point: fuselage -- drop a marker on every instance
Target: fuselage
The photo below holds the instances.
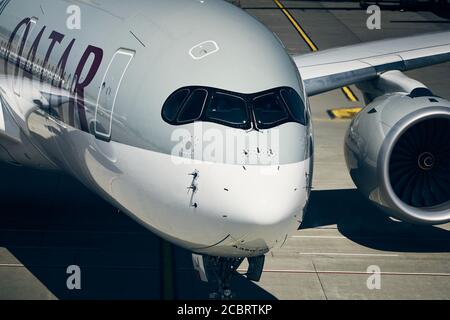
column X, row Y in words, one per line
column 187, row 115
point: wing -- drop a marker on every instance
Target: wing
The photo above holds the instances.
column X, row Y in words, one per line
column 334, row 68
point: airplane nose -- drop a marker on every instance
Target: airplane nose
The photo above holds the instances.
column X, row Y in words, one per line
column 256, row 205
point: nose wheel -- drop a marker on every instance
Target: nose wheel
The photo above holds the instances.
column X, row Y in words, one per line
column 220, row 271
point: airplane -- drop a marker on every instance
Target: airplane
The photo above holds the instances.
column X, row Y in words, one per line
column 191, row 117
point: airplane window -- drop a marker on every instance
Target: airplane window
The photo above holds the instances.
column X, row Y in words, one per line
column 294, row 104
column 228, row 109
column 193, row 106
column 173, row 104
column 269, row 110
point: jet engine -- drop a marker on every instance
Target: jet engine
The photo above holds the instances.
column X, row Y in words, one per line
column 398, row 152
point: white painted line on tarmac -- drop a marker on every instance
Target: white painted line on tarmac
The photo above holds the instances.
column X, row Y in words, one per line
column 348, row 254
column 11, row 265
column 321, row 237
column 433, row 274
column 368, row 238
column 339, row 272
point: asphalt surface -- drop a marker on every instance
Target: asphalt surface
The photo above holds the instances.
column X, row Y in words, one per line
column 49, row 221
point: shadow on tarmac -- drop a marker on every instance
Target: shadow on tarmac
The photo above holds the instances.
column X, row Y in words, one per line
column 49, row 221
column 364, row 223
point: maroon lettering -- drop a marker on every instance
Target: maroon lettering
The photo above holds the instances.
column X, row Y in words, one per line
column 56, row 37
column 80, row 82
column 24, row 22
column 80, row 86
column 32, row 53
column 61, row 67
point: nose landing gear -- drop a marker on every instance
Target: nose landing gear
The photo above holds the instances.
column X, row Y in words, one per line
column 220, row 271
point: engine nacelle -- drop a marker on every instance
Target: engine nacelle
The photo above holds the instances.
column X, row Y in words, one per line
column 398, row 152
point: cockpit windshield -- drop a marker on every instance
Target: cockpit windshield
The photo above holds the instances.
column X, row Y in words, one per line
column 227, row 109
column 294, row 103
column 269, row 110
column 262, row 110
column 193, row 107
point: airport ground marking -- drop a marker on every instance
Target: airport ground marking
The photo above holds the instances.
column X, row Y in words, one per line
column 321, row 237
column 343, row 113
column 365, row 237
column 12, row 265
column 341, row 272
column 350, row 95
column 348, row 254
column 312, row 46
column 300, row 271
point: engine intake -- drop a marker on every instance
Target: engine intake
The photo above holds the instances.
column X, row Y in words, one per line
column 419, row 164
column 398, row 153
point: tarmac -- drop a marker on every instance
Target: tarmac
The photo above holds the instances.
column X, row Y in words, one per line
column 49, row 221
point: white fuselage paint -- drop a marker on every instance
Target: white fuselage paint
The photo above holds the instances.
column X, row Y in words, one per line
column 233, row 212
column 2, row 119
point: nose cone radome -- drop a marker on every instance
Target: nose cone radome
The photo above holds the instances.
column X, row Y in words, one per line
column 255, row 205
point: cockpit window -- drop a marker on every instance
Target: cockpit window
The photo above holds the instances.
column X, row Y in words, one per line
column 227, row 109
column 269, row 110
column 193, row 107
column 294, row 104
column 263, row 110
column 174, row 104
